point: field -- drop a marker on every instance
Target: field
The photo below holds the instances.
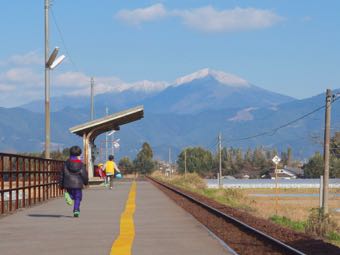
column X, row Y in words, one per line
column 295, row 208
column 292, row 212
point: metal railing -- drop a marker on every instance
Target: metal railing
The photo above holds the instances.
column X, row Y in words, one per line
column 25, row 181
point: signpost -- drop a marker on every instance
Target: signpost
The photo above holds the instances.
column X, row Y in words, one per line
column 276, row 161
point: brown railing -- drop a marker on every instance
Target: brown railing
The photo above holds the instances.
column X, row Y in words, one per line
column 25, row 181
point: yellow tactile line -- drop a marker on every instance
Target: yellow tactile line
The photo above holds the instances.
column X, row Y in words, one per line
column 123, row 244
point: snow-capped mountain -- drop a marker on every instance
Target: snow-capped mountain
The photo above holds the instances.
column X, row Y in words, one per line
column 210, row 90
column 191, row 111
column 221, row 77
column 205, row 89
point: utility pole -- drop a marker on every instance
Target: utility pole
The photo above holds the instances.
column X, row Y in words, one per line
column 276, row 191
column 326, row 151
column 106, row 138
column 220, row 160
column 112, row 141
column 170, row 161
column 47, row 85
column 185, row 162
column 320, row 191
column 92, row 98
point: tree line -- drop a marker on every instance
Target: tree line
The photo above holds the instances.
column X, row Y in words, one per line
column 315, row 165
column 235, row 162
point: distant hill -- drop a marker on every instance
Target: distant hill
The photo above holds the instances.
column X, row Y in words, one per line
column 211, row 90
column 189, row 112
column 200, row 91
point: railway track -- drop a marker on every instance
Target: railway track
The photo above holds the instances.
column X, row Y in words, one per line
column 241, row 237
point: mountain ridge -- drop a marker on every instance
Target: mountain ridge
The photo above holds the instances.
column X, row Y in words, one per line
column 216, row 84
column 191, row 114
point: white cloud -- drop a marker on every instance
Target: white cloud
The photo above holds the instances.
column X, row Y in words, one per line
column 20, row 84
column 6, row 87
column 21, row 76
column 208, row 19
column 79, row 84
column 140, row 15
column 71, row 80
column 306, row 19
column 21, row 80
column 30, row 58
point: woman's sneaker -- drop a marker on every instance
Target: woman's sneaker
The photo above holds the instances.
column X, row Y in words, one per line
column 76, row 214
column 68, row 198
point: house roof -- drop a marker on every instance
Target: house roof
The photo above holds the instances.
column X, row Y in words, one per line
column 110, row 122
column 297, row 171
column 280, row 175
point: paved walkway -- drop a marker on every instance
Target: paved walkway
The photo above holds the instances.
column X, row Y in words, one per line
column 161, row 227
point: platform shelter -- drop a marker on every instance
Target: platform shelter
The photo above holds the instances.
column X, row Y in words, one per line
column 89, row 131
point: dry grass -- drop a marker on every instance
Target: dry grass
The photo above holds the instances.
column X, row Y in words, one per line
column 295, row 208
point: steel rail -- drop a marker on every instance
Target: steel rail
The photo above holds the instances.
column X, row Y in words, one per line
column 233, row 219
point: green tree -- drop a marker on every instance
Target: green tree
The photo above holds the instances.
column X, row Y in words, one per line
column 334, row 171
column 289, row 156
column 144, row 161
column 227, row 161
column 238, row 165
column 284, row 158
column 58, row 155
column 199, row 161
column 259, row 160
column 314, row 167
column 248, row 157
column 125, row 165
column 335, row 145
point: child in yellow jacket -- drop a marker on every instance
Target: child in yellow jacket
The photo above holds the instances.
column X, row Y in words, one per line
column 110, row 170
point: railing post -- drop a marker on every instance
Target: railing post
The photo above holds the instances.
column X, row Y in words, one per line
column 38, row 175
column 16, row 183
column 23, row 182
column 29, row 182
column 2, row 182
column 10, row 185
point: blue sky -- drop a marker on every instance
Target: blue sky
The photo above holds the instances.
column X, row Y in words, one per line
column 291, row 47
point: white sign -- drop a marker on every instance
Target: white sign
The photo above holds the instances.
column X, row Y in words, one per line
column 276, row 160
column 116, row 145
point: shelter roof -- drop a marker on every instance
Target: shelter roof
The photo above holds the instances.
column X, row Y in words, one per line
column 110, row 122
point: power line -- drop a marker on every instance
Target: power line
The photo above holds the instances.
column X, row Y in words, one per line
column 213, row 144
column 63, row 41
column 274, row 130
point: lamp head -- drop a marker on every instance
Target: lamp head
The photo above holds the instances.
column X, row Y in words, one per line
column 57, row 62
column 52, row 57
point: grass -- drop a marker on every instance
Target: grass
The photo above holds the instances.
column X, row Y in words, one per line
column 286, row 222
column 333, row 236
column 292, row 212
column 196, row 184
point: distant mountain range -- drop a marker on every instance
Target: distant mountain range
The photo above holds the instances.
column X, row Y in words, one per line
column 189, row 112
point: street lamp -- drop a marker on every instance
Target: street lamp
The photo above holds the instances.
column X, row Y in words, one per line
column 115, row 144
column 51, row 63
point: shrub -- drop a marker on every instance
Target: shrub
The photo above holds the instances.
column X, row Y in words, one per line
column 320, row 224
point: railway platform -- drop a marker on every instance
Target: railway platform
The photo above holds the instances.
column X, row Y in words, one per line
column 130, row 219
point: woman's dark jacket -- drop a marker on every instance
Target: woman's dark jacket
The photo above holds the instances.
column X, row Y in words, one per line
column 73, row 175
